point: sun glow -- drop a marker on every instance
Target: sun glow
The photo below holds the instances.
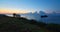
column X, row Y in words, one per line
column 10, row 11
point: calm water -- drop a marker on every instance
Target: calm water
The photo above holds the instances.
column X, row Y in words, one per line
column 50, row 19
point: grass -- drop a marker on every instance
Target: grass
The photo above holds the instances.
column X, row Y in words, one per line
column 11, row 24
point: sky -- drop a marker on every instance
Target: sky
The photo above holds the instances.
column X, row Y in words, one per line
column 26, row 6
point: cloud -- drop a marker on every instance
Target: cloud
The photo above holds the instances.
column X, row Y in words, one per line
column 10, row 11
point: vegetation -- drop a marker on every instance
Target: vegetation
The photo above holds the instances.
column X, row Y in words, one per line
column 13, row 24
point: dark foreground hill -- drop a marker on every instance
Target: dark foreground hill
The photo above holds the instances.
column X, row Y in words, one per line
column 13, row 24
column 10, row 24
